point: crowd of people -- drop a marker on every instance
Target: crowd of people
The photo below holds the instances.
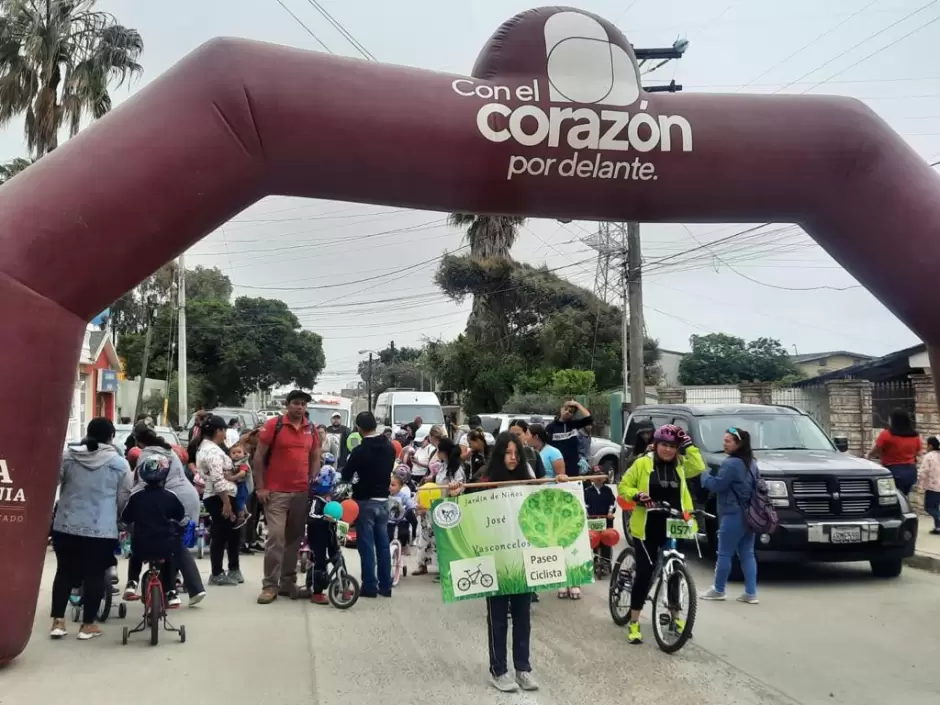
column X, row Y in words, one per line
column 290, row 470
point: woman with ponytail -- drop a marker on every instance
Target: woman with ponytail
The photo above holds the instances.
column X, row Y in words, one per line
column 94, row 485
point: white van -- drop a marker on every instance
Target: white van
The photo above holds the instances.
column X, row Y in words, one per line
column 396, row 407
column 321, row 409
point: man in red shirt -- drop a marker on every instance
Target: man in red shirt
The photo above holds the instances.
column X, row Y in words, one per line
column 286, row 460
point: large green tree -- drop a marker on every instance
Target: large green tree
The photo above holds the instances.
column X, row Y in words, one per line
column 489, row 237
column 13, row 167
column 718, row 358
column 550, row 323
column 234, row 348
column 58, row 59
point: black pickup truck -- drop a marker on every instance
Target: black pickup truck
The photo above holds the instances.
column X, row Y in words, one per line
column 832, row 506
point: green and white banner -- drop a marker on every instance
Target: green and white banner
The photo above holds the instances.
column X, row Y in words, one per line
column 512, row 539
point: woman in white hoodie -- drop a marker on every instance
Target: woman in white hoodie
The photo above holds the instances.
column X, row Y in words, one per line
column 177, row 483
column 94, row 485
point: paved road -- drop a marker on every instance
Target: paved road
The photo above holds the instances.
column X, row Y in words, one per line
column 828, row 634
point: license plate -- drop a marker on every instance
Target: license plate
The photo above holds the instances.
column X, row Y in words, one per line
column 596, row 524
column 845, row 534
column 678, row 529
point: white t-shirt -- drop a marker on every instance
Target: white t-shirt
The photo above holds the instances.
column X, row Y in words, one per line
column 231, row 436
column 421, row 460
column 465, row 442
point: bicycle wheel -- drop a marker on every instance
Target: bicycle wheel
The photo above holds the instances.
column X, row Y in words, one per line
column 395, row 550
column 155, row 611
column 343, row 591
column 104, row 610
column 200, row 546
column 486, row 581
column 621, row 584
column 674, row 606
column 463, row 584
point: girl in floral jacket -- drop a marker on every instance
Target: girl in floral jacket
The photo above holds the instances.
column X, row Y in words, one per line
column 928, row 477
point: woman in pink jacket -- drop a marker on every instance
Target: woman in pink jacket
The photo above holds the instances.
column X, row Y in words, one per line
column 928, row 477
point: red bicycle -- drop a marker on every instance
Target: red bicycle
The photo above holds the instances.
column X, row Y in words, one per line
column 154, row 608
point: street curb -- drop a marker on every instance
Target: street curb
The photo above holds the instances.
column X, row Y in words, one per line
column 924, row 561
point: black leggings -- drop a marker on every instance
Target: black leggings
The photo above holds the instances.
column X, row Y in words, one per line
column 646, row 561
column 224, row 537
column 81, row 561
column 250, row 530
column 605, row 552
column 402, row 529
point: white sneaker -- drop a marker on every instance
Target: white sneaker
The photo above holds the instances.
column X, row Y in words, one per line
column 197, row 598
column 526, row 680
column 505, row 683
column 58, row 630
column 713, row 595
column 130, row 592
column 748, row 599
column 173, row 600
column 91, row 634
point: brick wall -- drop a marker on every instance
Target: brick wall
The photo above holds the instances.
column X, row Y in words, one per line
column 850, row 412
column 756, row 392
column 671, row 395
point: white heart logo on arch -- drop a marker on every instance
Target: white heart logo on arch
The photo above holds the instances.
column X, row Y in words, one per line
column 584, row 66
column 578, row 111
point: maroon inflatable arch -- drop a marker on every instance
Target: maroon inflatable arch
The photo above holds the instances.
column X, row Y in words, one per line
column 552, row 123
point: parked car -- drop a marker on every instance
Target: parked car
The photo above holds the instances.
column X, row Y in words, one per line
column 123, row 430
column 832, row 506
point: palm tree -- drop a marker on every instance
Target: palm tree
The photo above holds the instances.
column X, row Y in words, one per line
column 57, row 59
column 489, row 236
column 13, row 167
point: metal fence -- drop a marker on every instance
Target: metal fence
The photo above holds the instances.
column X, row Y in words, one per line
column 888, row 396
column 811, row 400
column 726, row 394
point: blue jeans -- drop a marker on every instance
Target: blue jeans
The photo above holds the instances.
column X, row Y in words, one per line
column 932, row 507
column 734, row 536
column 372, row 543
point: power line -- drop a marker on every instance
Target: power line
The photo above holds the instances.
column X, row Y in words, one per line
column 300, row 22
column 855, row 46
column 342, row 30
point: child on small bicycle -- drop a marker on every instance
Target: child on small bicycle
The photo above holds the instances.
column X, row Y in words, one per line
column 600, row 502
column 241, row 476
column 321, row 535
column 157, row 516
column 401, row 504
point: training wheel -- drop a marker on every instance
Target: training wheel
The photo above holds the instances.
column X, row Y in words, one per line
column 76, row 613
column 404, row 571
column 182, row 634
column 122, row 610
column 125, row 636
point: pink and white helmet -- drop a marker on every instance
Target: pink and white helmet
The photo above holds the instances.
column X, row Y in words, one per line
column 668, row 433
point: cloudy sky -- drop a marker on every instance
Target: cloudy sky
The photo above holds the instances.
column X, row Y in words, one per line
column 775, row 282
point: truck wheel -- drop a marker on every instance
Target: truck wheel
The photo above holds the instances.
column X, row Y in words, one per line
column 890, row 568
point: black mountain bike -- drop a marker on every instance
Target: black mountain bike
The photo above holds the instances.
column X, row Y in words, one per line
column 673, row 588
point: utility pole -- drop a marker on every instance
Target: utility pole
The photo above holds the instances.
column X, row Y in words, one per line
column 369, row 383
column 637, row 327
column 625, row 328
column 182, row 386
column 151, row 305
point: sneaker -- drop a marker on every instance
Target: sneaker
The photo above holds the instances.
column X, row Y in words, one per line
column 318, row 598
column 935, row 532
column 713, row 595
column 526, row 680
column 241, row 521
column 173, row 600
column 130, row 592
column 748, row 599
column 237, row 576
column 89, row 631
column 58, row 629
column 504, row 683
column 678, row 625
column 222, row 579
column 535, row 597
column 385, row 593
column 246, row 550
column 197, row 598
column 634, row 635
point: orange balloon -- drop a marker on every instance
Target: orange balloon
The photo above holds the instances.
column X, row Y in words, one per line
column 350, row 510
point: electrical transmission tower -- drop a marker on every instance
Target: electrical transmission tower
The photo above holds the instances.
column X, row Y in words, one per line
column 610, row 244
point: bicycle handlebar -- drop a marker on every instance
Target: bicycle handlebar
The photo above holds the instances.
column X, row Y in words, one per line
column 665, row 507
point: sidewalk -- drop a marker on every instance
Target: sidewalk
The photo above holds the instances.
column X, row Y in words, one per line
column 927, row 556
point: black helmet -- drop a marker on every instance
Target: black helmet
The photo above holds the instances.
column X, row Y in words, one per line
column 153, row 469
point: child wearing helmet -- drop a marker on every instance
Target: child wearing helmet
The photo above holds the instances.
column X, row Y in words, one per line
column 658, row 476
column 321, row 534
column 157, row 516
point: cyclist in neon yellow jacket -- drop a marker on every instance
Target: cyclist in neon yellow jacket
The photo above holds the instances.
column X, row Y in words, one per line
column 658, row 476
